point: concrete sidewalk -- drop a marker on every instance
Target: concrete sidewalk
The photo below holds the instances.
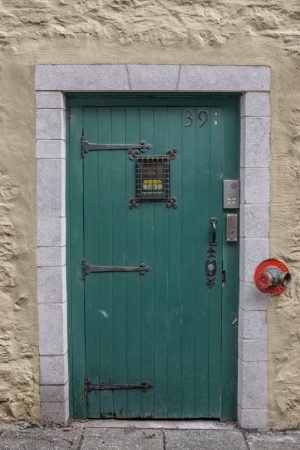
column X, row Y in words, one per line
column 143, row 435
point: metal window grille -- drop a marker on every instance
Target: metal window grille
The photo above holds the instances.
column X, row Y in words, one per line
column 152, row 180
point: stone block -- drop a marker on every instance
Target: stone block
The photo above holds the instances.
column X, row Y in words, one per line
column 255, row 104
column 50, row 100
column 51, row 232
column 122, row 439
column 252, row 252
column 36, row 437
column 51, row 182
column 50, row 149
column 254, row 221
column 145, row 77
column 286, row 440
column 51, row 284
column 253, row 350
column 255, row 185
column 252, row 418
column 253, row 325
column 52, row 328
column 50, row 124
column 251, row 299
column 115, row 77
column 53, row 369
column 51, row 256
column 255, row 142
column 55, row 393
column 224, row 78
column 55, row 413
column 204, row 440
column 82, row 77
column 252, row 386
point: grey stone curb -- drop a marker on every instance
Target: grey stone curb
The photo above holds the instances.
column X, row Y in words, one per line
column 85, row 435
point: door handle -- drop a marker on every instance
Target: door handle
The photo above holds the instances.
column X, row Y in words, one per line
column 211, row 262
column 213, row 222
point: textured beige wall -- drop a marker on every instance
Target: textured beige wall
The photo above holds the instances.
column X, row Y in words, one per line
column 141, row 31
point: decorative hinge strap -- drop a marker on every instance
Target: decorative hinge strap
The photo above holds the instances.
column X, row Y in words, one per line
column 87, row 269
column 133, row 149
column 88, row 386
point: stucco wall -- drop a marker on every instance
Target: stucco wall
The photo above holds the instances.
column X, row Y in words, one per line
column 141, row 31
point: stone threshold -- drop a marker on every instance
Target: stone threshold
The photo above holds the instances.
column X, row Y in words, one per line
column 156, row 424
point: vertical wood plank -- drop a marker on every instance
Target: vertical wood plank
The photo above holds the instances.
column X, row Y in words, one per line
column 216, row 176
column 231, row 265
column 188, row 265
column 76, row 286
column 119, row 207
column 68, row 265
column 175, row 299
column 91, row 217
column 161, row 216
column 147, row 284
column 133, row 280
column 105, row 226
column 202, row 186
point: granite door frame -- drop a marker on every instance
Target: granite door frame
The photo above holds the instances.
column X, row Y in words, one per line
column 52, row 82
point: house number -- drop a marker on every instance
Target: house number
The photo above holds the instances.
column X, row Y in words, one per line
column 202, row 117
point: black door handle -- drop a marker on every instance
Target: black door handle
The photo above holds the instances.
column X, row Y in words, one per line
column 211, row 262
column 213, row 222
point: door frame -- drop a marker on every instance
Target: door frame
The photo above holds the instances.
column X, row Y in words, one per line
column 52, row 83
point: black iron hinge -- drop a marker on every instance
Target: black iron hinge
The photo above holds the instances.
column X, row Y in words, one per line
column 88, row 386
column 86, row 269
column 133, row 149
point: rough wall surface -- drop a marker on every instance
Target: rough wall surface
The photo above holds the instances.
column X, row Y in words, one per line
column 141, row 31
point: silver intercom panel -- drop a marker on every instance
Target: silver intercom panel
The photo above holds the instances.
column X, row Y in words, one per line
column 231, row 200
column 231, row 192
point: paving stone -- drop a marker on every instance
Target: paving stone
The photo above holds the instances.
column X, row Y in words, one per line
column 125, row 439
column 205, row 440
column 273, row 441
column 40, row 439
column 85, row 435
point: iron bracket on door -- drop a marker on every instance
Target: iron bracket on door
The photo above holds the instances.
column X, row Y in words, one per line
column 87, row 269
column 211, row 263
column 88, row 386
column 133, row 149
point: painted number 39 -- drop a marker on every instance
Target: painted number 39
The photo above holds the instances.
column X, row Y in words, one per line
column 190, row 117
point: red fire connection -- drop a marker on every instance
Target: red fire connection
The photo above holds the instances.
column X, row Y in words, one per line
column 272, row 277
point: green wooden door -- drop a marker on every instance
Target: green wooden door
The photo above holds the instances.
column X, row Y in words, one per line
column 164, row 328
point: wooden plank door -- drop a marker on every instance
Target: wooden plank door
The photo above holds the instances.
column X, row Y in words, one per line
column 163, row 328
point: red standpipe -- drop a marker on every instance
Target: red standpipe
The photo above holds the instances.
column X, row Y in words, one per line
column 272, row 277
